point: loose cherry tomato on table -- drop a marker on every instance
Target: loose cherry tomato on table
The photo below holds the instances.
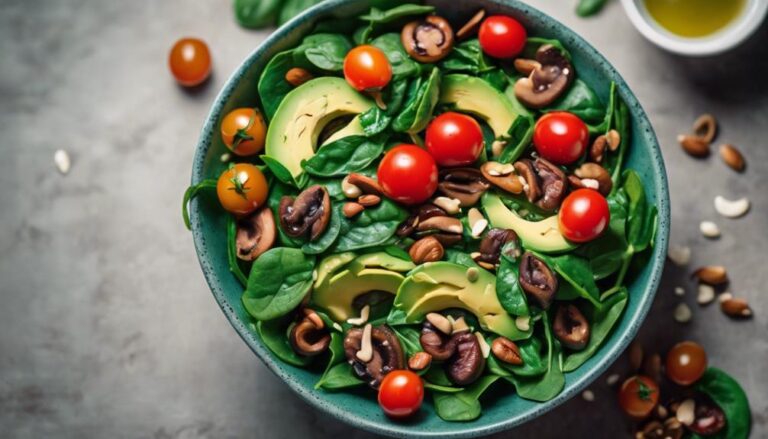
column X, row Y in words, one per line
column 401, row 393
column 584, row 215
column 454, row 139
column 561, row 137
column 638, row 396
column 242, row 189
column 190, row 62
column 243, row 131
column 502, row 36
column 686, row 363
column 366, row 68
column 408, row 174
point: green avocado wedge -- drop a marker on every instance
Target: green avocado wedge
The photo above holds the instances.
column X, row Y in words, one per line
column 470, row 94
column 438, row 286
column 302, row 115
column 543, row 236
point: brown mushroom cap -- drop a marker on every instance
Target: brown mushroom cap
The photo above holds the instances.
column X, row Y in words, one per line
column 493, row 242
column 387, row 354
column 553, row 184
column 308, row 213
column 464, row 184
column 709, row 418
column 532, row 186
column 255, row 234
column 307, row 339
column 466, row 366
column 547, row 81
column 571, row 327
column 537, row 279
column 421, row 213
column 440, row 346
column 509, row 182
column 428, row 40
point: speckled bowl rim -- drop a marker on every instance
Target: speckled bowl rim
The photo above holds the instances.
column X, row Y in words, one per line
column 609, row 353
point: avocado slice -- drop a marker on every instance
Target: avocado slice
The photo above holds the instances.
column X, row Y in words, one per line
column 437, row 286
column 343, row 277
column 302, row 115
column 543, row 236
column 353, row 128
column 469, row 94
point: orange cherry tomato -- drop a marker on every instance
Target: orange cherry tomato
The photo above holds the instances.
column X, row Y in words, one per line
column 638, row 396
column 686, row 363
column 367, row 68
column 242, row 189
column 243, row 130
column 190, row 62
column 401, row 393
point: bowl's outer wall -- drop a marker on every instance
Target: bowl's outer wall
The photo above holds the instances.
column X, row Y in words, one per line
column 502, row 409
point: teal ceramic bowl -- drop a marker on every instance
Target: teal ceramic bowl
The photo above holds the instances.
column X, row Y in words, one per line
column 500, row 411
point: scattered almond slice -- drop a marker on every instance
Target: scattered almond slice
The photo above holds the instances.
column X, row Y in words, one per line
column 364, row 314
column 62, row 161
column 613, row 379
column 686, row 412
column 679, row 254
column 588, row 395
column 709, row 229
column 484, row 348
column 706, row 294
column 523, row 323
column 731, row 208
column 679, row 291
column 683, row 313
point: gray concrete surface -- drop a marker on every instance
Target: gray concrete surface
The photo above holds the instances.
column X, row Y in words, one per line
column 107, row 328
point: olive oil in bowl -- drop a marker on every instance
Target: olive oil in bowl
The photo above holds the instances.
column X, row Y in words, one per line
column 694, row 18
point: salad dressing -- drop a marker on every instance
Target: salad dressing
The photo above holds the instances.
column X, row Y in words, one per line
column 694, row 18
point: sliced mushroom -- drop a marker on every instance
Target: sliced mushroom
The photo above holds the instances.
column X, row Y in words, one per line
column 255, row 234
column 532, row 186
column 387, row 354
column 492, row 244
column 502, row 176
column 428, row 40
column 571, row 327
column 447, row 224
column 436, row 343
column 468, row 363
column 309, row 213
column 464, row 184
column 537, row 279
column 423, row 212
column 547, row 81
column 308, row 339
column 545, row 183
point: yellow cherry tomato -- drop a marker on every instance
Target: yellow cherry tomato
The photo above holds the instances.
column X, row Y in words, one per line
column 244, row 131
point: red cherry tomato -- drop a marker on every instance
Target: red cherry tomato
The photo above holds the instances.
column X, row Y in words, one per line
column 638, row 396
column 408, row 174
column 561, row 137
column 686, row 363
column 367, row 68
column 401, row 393
column 502, row 36
column 190, row 62
column 584, row 215
column 454, row 139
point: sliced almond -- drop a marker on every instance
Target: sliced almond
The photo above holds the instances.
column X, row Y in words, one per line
column 62, row 161
column 477, row 222
column 460, row 325
column 484, row 347
column 679, row 254
column 365, row 354
column 732, row 157
column 452, row 206
column 694, row 145
column 497, row 147
column 711, row 274
column 613, row 379
column 472, row 25
column 679, row 291
column 614, row 140
column 588, row 395
column 706, row 294
column 440, row 322
column 682, row 313
column 364, row 314
column 731, row 208
column 709, row 229
column 686, row 412
column 523, row 323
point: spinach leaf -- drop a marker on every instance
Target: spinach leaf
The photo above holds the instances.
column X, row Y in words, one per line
column 409, row 338
column 274, row 334
column 344, row 156
column 601, row 322
column 340, row 376
column 332, row 185
column 378, row 16
column 497, row 78
column 641, row 215
column 325, row 51
column 461, row 258
column 621, row 122
column 588, row 8
column 374, row 227
column 436, row 375
column 464, row 405
column 552, row 382
column 728, row 394
column 582, row 101
column 234, row 264
column 279, row 280
column 520, row 136
column 336, row 347
column 376, row 120
column 442, row 389
column 532, row 44
column 508, row 289
column 191, row 193
column 278, row 170
column 467, row 57
column 606, row 252
column 576, row 271
column 403, row 66
column 421, row 101
column 292, row 8
column 534, row 363
column 255, row 14
column 326, row 240
column 272, row 85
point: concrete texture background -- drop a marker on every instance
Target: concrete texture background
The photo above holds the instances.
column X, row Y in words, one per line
column 107, row 328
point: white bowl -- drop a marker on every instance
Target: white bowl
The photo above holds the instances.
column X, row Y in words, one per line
column 731, row 36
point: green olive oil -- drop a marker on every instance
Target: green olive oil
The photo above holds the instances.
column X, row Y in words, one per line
column 694, row 18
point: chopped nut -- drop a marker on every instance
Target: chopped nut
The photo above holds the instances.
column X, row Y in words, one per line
column 369, row 200
column 477, row 222
column 484, row 348
column 507, row 351
column 460, row 325
column 734, row 307
column 683, row 313
column 732, row 157
column 351, row 209
column 419, row 361
column 62, row 161
column 365, row 354
column 613, row 379
column 440, row 322
column 523, row 323
column 694, row 145
column 679, row 291
column 451, row 206
column 614, row 140
column 686, row 413
column 366, row 184
column 680, row 255
column 597, row 150
column 298, row 76
column 472, row 25
column 426, row 249
column 731, row 209
column 364, row 314
column 709, row 229
column 706, row 294
column 711, row 274
column 588, row 395
column 349, row 189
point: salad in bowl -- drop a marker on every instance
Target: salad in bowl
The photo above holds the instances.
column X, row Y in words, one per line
column 419, row 205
